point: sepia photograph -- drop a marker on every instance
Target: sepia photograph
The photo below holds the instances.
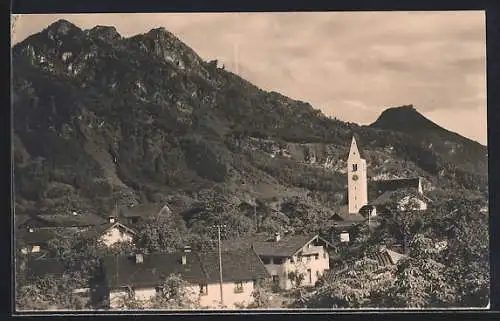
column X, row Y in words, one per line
column 270, row 161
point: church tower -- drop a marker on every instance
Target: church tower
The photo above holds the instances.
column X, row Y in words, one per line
column 357, row 181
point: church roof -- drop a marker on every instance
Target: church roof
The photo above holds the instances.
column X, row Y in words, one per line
column 396, row 184
column 388, row 196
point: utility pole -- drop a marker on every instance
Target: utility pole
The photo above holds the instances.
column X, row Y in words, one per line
column 220, row 261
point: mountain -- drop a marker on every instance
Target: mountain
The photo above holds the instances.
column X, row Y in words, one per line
column 99, row 119
column 467, row 154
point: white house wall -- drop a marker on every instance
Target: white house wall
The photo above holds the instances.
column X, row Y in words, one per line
column 317, row 268
column 419, row 204
column 115, row 235
column 209, row 300
column 231, row 299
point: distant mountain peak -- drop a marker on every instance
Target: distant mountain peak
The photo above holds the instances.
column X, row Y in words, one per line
column 106, row 33
column 403, row 118
column 62, row 27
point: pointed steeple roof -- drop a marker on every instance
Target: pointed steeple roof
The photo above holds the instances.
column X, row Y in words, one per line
column 354, row 152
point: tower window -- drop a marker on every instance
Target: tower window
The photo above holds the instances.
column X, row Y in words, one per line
column 354, row 167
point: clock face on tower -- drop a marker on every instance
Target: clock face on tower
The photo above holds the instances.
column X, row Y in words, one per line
column 354, row 177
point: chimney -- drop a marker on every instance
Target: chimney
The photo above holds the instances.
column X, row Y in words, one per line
column 112, row 219
column 139, row 258
column 277, row 236
column 186, row 250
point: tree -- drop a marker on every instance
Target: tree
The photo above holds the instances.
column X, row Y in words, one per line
column 78, row 251
column 159, row 236
column 419, row 284
column 52, row 292
column 403, row 223
column 175, row 293
column 260, row 298
column 355, row 287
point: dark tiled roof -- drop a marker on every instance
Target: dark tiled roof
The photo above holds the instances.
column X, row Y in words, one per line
column 69, row 220
column 142, row 210
column 395, row 184
column 199, row 268
column 330, row 276
column 238, row 265
column 20, row 220
column 98, row 231
column 37, row 237
column 341, row 210
column 38, row 268
column 264, row 245
column 386, row 257
column 387, row 197
column 124, row 271
column 384, row 199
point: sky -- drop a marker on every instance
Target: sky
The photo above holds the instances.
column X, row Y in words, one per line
column 351, row 65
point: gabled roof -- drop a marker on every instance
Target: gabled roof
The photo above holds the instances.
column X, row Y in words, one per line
column 100, row 230
column 142, row 210
column 264, row 245
column 66, row 220
column 237, row 265
column 394, row 184
column 39, row 268
column 386, row 257
column 20, row 220
column 124, row 271
column 386, row 197
column 37, row 237
column 330, row 276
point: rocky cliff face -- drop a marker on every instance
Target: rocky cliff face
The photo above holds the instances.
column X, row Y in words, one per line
column 99, row 118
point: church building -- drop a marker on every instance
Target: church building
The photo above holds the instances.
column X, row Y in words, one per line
column 360, row 209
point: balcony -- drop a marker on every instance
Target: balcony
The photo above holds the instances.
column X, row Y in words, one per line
column 312, row 250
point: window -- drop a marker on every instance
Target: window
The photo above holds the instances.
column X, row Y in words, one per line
column 238, row 287
column 203, row 289
column 324, row 255
column 35, row 249
column 308, row 259
column 354, row 167
column 316, row 256
column 266, row 260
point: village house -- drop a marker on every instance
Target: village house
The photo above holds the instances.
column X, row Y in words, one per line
column 142, row 212
column 34, row 241
column 407, row 193
column 380, row 260
column 113, row 233
column 141, row 276
column 73, row 220
column 36, row 269
column 283, row 255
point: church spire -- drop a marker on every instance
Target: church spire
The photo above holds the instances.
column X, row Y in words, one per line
column 354, row 152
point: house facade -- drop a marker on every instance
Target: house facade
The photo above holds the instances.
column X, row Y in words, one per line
column 115, row 233
column 284, row 256
column 141, row 277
